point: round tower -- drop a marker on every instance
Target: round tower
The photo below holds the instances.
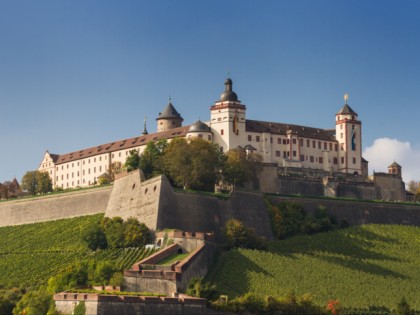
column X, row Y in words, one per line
column 169, row 118
column 395, row 169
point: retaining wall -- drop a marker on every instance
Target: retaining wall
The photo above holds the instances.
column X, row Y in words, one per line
column 54, row 207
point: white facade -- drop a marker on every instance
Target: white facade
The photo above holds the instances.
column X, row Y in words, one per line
column 330, row 150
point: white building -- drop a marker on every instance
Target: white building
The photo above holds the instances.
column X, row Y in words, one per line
column 331, row 150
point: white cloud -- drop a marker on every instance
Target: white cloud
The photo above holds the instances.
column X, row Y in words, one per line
column 385, row 151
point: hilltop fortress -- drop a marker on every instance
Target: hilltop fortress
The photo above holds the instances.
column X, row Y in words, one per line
column 306, row 154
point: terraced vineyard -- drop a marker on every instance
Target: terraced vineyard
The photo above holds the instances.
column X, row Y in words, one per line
column 360, row 266
column 30, row 254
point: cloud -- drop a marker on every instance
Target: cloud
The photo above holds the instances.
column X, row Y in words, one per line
column 385, row 151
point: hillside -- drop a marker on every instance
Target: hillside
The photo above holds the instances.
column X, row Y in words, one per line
column 31, row 253
column 360, row 266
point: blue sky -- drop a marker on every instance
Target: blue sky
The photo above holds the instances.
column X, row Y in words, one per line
column 75, row 74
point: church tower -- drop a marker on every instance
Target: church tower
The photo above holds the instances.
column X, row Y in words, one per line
column 169, row 118
column 227, row 119
column 348, row 132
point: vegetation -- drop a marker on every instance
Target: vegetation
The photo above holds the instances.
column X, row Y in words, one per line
column 198, row 287
column 241, row 167
column 30, row 254
column 172, row 258
column 290, row 305
column 151, row 158
column 289, row 218
column 36, row 182
column 364, row 266
column 238, row 235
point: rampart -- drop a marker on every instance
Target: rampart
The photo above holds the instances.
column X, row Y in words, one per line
column 54, row 207
column 148, row 275
column 97, row 304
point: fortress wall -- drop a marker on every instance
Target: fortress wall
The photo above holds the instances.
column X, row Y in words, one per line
column 358, row 212
column 134, row 197
column 360, row 191
column 54, row 207
column 299, row 186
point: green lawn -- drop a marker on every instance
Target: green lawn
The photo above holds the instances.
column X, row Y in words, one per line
column 360, row 266
column 172, row 258
column 31, row 253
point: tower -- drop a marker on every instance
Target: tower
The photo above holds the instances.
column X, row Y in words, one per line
column 348, row 132
column 169, row 118
column 395, row 169
column 227, row 119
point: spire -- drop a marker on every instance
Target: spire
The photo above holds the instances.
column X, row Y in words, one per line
column 145, row 129
column 346, row 98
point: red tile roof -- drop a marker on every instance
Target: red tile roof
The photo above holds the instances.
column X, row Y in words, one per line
column 283, row 129
column 121, row 145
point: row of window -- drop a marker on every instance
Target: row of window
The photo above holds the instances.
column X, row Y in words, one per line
column 321, row 145
column 311, row 158
column 78, row 183
column 83, row 172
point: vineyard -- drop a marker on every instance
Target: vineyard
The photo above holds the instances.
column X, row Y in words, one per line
column 360, row 266
column 30, row 254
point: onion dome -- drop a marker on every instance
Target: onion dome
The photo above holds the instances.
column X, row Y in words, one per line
column 199, row 126
column 228, row 94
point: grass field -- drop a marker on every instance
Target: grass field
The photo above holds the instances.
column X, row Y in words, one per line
column 361, row 266
column 31, row 253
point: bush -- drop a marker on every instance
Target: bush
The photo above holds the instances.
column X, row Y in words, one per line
column 36, row 303
column 199, row 288
column 94, row 237
column 121, row 234
column 237, row 235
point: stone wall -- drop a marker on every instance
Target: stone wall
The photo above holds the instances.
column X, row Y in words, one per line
column 54, row 207
column 97, row 304
column 360, row 212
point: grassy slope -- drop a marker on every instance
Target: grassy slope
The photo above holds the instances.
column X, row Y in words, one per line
column 361, row 266
column 31, row 253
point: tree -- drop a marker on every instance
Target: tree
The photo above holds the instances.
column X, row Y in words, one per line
column 114, row 231
column 241, row 167
column 29, row 182
column 136, row 234
column 151, row 158
column 36, row 182
column 193, row 164
column 94, row 237
column 413, row 186
column 35, row 303
column 115, row 168
column 44, row 183
column 132, row 161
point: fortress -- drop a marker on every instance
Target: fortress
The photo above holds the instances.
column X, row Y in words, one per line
column 286, row 148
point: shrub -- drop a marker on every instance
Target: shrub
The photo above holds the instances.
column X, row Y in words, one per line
column 94, row 237
column 237, row 235
column 199, row 288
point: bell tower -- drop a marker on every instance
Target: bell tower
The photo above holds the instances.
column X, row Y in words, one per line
column 348, row 132
column 227, row 119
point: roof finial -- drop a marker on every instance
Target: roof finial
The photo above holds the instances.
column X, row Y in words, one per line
column 170, row 99
column 228, row 75
column 346, row 98
column 145, row 129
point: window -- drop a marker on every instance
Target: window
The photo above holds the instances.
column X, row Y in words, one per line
column 277, row 153
column 67, row 176
column 72, row 164
column 222, row 132
column 89, row 161
column 88, row 170
column 119, row 154
column 308, row 143
column 319, row 145
column 278, row 140
column 288, row 141
column 354, row 160
column 342, row 147
column 100, row 168
column 311, row 159
column 72, row 175
column 313, row 144
column 342, row 160
column 271, row 139
column 284, row 154
column 83, row 172
column 209, row 137
column 301, row 142
column 341, row 126
column 341, row 135
column 284, row 141
column 325, row 146
column 249, row 138
column 294, row 141
column 336, row 147
column 200, row 136
column 257, row 138
column 294, row 153
column 94, row 169
column 78, row 174
column 320, row 160
column 100, row 158
column 302, row 157
column 330, row 146
column 112, row 156
column 335, row 160
column 94, row 159
column 288, row 154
